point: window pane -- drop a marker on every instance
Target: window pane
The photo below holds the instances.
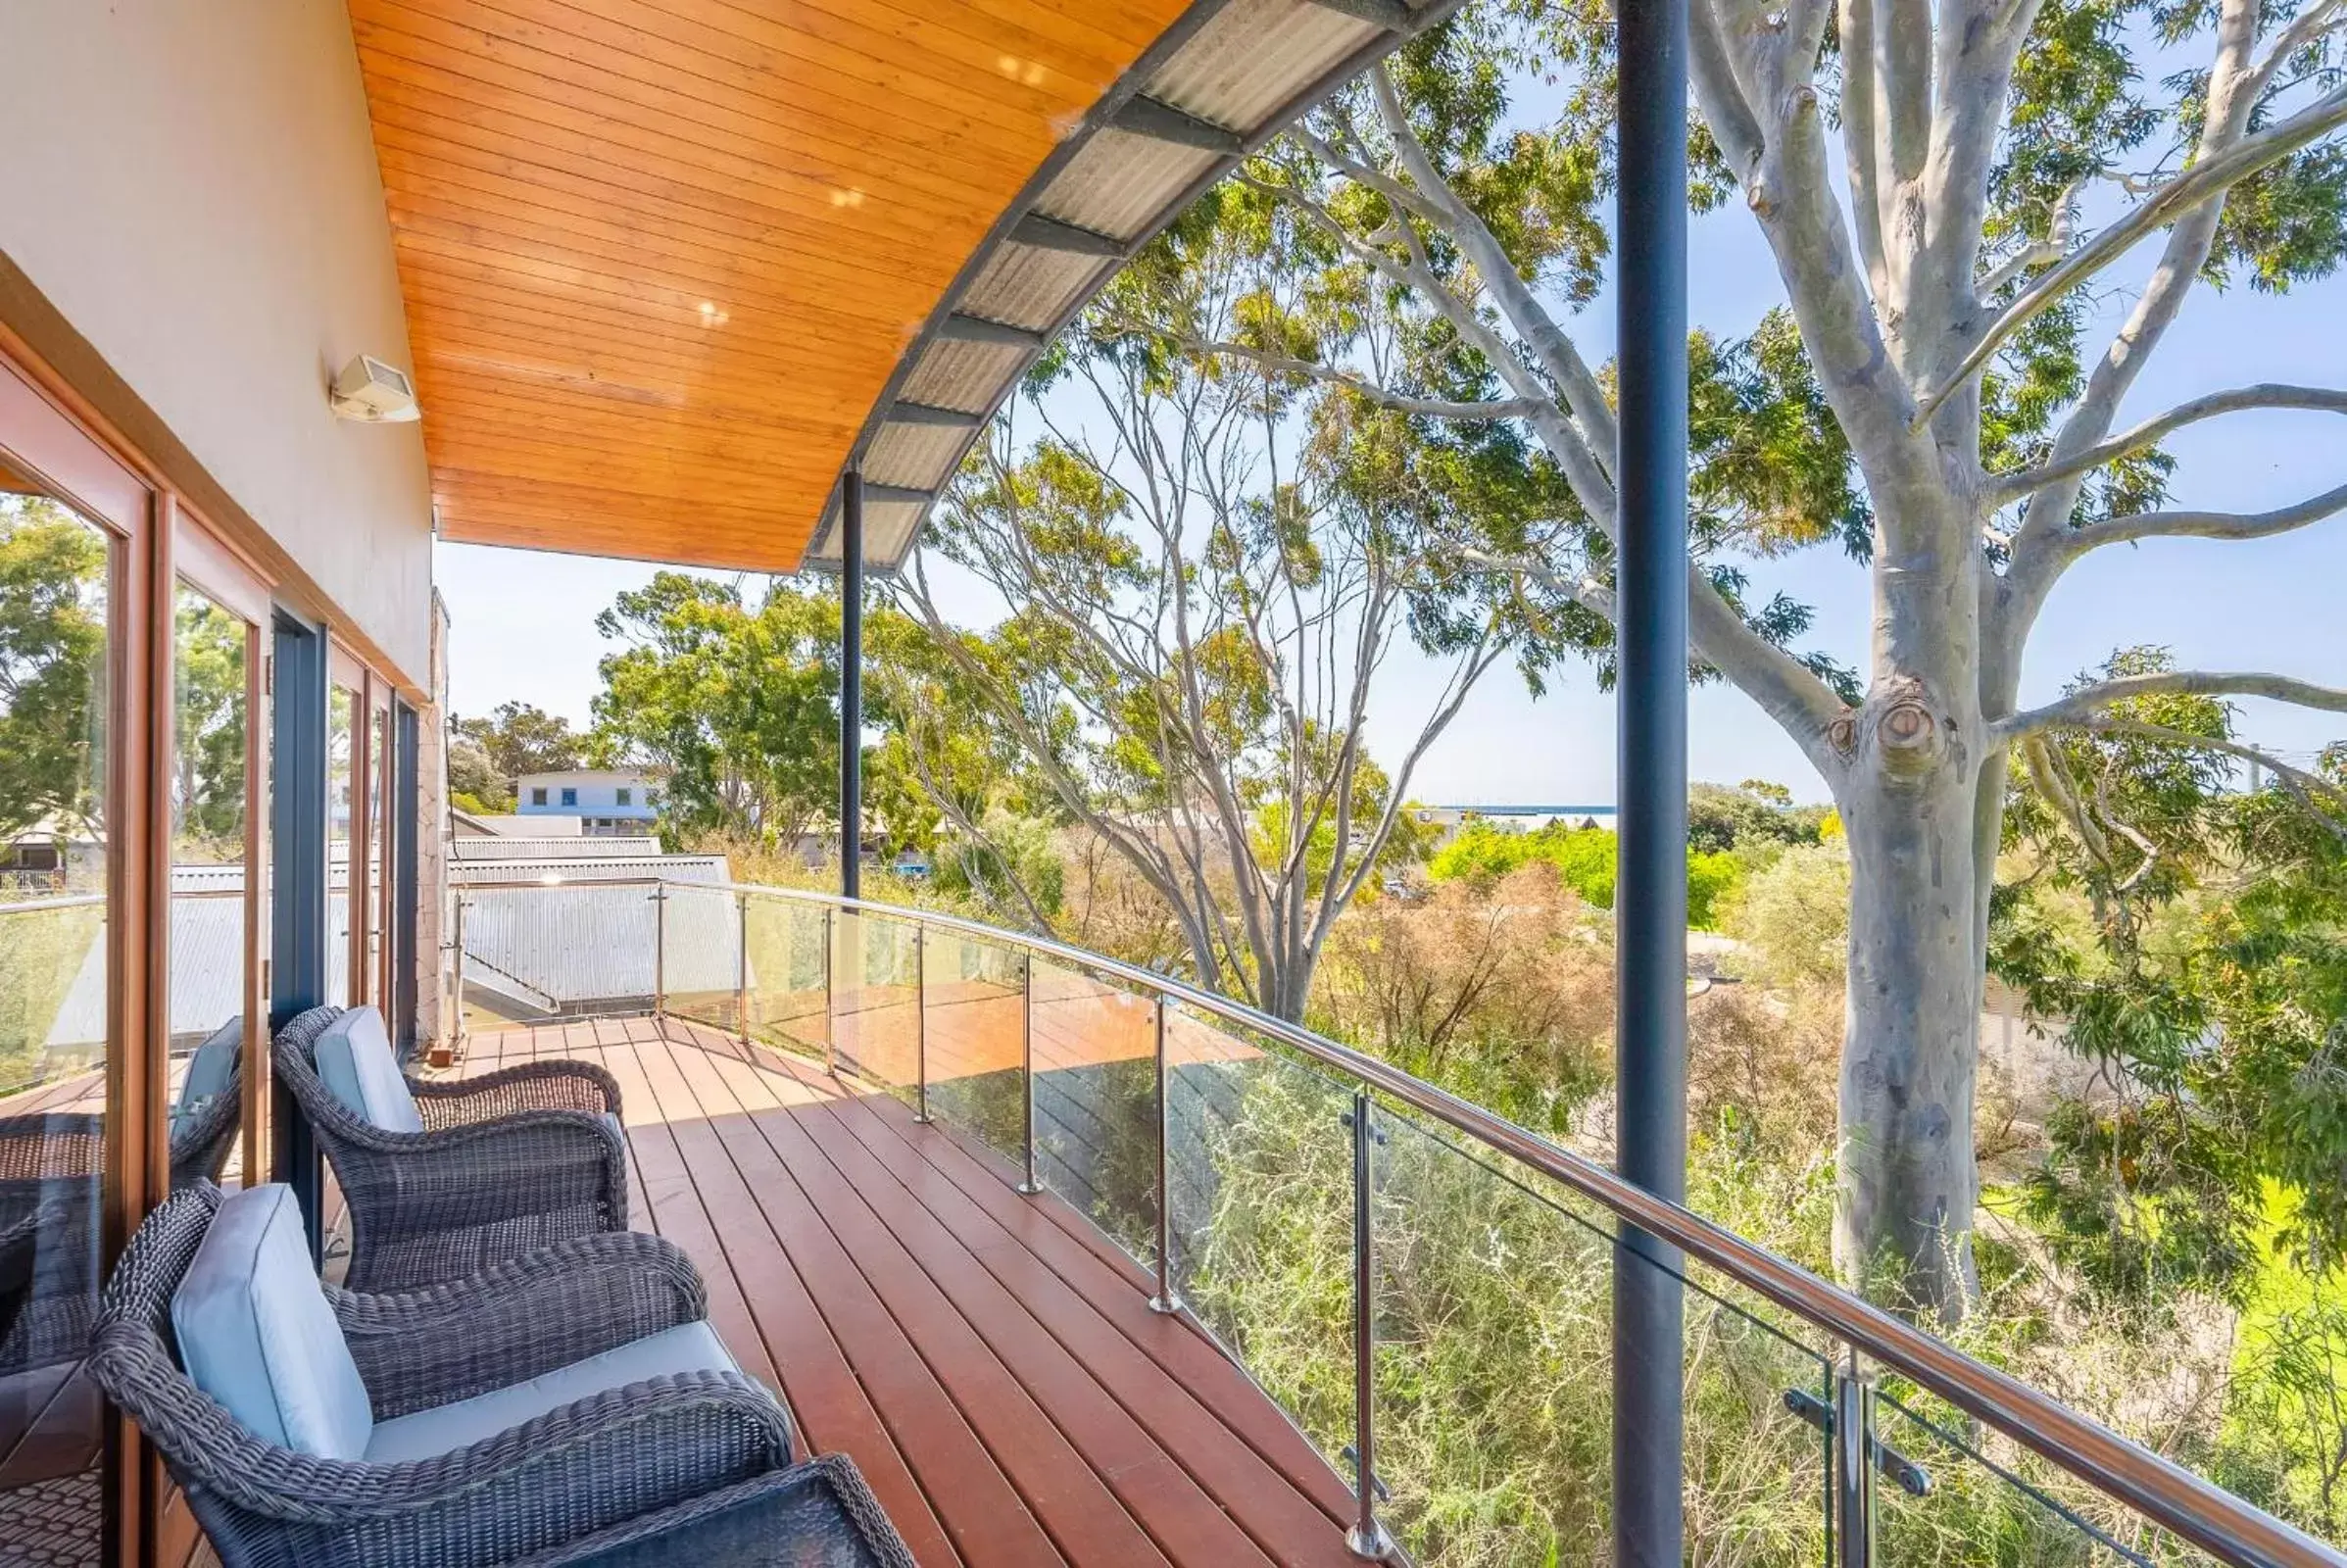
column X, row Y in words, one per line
column 210, row 731
column 378, row 798
column 52, row 1012
column 342, row 706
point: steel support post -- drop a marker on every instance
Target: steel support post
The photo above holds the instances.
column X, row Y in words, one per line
column 851, row 682
column 1651, row 588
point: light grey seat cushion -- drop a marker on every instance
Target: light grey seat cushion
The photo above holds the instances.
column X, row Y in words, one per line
column 356, row 1064
column 443, row 1429
column 209, row 1066
column 255, row 1331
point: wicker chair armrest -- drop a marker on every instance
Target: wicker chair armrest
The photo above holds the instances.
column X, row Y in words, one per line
column 510, row 1091
column 516, row 1320
column 566, row 1474
column 766, row 1500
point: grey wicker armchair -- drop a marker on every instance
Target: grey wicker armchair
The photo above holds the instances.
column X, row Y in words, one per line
column 601, row 1468
column 506, row 1162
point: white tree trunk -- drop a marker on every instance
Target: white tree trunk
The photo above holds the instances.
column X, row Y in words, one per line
column 1910, row 1051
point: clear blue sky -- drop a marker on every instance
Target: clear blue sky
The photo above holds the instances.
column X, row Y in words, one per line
column 524, row 621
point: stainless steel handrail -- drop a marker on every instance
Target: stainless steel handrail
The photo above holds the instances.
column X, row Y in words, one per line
column 2163, row 1491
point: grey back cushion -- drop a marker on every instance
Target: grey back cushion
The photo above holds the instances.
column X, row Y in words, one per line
column 358, row 1066
column 255, row 1333
column 210, row 1067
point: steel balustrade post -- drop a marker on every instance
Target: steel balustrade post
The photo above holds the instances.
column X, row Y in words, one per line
column 660, row 950
column 1026, row 1052
column 831, row 1021
column 459, row 943
column 741, row 967
column 1165, row 1301
column 920, row 1023
column 1367, row 1537
column 1853, row 1465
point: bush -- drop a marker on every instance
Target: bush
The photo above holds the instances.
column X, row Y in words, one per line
column 1793, row 918
column 1587, row 858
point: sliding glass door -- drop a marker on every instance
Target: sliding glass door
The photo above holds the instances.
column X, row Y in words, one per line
column 77, row 654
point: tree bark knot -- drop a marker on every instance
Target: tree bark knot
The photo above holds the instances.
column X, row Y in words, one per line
column 1909, row 737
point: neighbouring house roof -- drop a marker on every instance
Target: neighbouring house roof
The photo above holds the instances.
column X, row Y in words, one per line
column 590, row 846
column 535, row 825
column 670, row 268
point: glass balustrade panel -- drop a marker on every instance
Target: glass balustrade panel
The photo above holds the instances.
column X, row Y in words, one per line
column 1096, row 1101
column 974, row 1002
column 1261, row 1217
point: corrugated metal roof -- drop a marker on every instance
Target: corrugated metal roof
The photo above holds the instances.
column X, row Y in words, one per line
column 1215, row 87
column 1246, row 62
column 1031, row 285
column 1117, row 183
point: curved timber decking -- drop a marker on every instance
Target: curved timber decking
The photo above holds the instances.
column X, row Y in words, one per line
column 989, row 1359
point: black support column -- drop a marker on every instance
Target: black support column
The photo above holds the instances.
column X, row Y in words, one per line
column 407, row 828
column 851, row 682
column 1650, row 920
column 299, row 963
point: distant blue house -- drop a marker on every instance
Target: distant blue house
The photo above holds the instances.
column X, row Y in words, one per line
column 615, row 800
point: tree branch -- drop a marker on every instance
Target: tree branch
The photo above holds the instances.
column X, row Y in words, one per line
column 1400, row 403
column 2304, row 786
column 2204, row 182
column 2088, row 702
column 1786, row 689
column 1584, row 397
column 2058, row 236
column 2315, row 20
column 2264, row 395
column 2233, row 526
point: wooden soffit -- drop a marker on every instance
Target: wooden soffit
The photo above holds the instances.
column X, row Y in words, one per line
column 669, row 265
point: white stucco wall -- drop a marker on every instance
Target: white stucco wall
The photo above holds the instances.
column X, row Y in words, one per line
column 192, row 185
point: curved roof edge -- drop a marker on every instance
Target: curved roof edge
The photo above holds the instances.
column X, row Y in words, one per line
column 1218, row 84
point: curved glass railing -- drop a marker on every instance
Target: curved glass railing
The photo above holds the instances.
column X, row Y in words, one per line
column 1368, row 1247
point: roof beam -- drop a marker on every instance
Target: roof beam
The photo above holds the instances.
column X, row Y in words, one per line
column 962, row 329
column 1391, row 15
column 931, row 414
column 897, row 495
column 1050, row 234
column 1143, row 116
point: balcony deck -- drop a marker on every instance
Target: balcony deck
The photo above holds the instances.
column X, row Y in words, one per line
column 989, row 1359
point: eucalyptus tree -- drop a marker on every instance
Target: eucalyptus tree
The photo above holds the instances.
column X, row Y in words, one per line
column 1940, row 187
column 1201, row 573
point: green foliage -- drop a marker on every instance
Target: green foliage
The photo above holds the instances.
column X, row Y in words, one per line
column 2209, row 984
column 1793, row 918
column 1587, row 858
column 736, row 707
column 41, row 951
column 208, row 797
column 52, row 668
column 474, row 782
column 1753, row 816
column 519, row 738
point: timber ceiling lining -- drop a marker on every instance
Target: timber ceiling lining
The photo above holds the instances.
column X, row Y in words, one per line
column 669, row 268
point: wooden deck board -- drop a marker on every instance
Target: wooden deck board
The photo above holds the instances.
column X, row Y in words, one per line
column 987, row 1358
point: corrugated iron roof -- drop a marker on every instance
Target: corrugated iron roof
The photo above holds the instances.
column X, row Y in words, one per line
column 1223, row 80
